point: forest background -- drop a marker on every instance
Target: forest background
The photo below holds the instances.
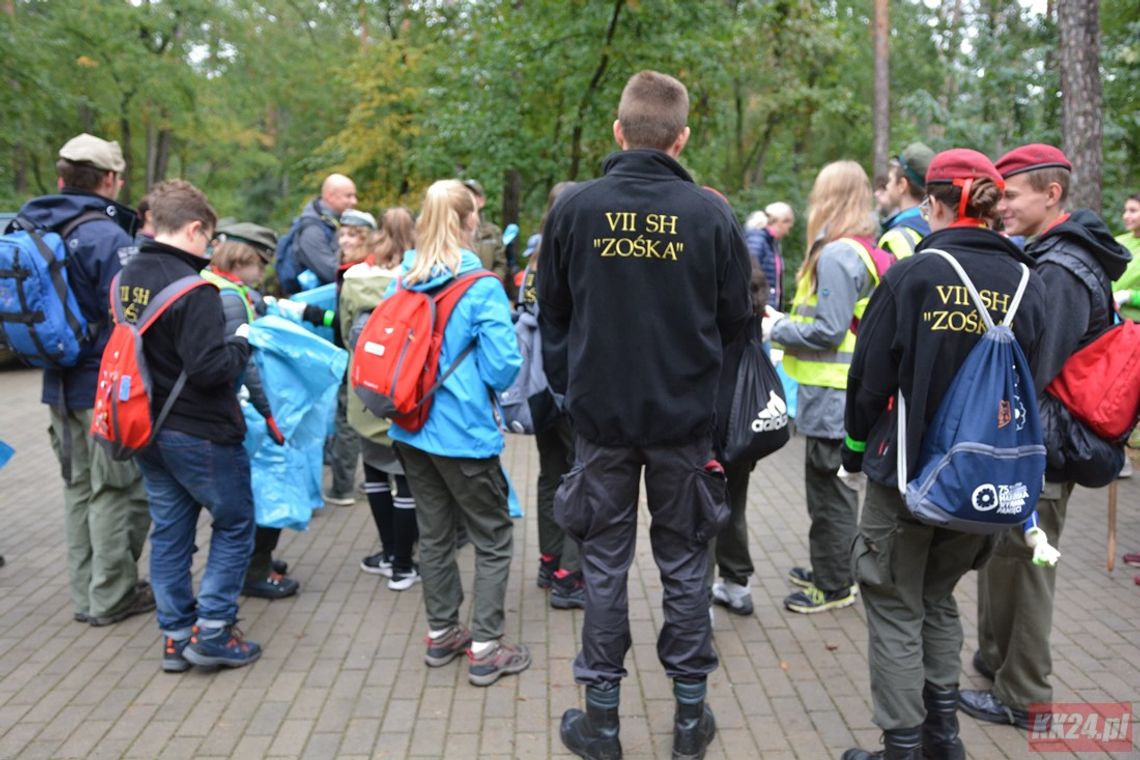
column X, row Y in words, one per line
column 255, row 102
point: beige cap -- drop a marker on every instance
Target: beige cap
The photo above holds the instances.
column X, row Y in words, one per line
column 89, row 149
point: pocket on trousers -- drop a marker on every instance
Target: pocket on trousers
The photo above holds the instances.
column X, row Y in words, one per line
column 712, row 504
column 108, row 472
column 573, row 510
column 871, row 559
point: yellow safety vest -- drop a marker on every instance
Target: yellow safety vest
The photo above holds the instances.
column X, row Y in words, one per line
column 241, row 291
column 827, row 369
column 900, row 241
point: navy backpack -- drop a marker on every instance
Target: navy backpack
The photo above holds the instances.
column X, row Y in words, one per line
column 285, row 263
column 981, row 466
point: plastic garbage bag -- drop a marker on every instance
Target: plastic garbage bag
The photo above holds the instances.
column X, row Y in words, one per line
column 758, row 419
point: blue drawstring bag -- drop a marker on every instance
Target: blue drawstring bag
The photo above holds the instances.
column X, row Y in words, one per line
column 981, row 466
column 6, row 453
column 300, row 374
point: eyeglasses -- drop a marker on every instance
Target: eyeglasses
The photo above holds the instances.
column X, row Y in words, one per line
column 924, row 208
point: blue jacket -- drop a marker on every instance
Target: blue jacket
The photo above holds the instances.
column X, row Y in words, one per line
column 765, row 252
column 94, row 259
column 462, row 423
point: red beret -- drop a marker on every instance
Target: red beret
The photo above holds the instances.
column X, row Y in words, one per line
column 959, row 164
column 1030, row 157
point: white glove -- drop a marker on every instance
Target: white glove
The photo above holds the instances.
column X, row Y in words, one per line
column 242, row 330
column 768, row 321
column 856, row 481
column 269, row 301
column 1044, row 555
column 294, row 310
column 1121, row 296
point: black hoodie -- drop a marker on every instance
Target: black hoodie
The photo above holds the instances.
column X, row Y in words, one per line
column 918, row 329
column 1077, row 259
column 190, row 336
column 643, row 277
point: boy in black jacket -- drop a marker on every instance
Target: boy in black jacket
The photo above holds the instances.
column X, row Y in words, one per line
column 1077, row 259
column 643, row 279
column 197, row 458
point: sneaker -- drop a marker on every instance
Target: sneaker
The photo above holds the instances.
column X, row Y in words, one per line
column 813, row 599
column 377, row 564
column 276, row 586
column 1126, row 470
column 340, row 501
column 568, row 592
column 279, row 566
column 1132, row 559
column 801, row 576
column 402, row 580
column 447, row 647
column 140, row 603
column 81, row 617
column 502, row 659
column 547, row 564
column 173, row 660
column 734, row 597
column 221, row 647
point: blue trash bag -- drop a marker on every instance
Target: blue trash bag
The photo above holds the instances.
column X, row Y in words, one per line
column 323, row 296
column 512, row 496
column 790, row 388
column 300, row 373
column 6, row 453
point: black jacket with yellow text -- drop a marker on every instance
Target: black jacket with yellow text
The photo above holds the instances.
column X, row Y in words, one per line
column 643, row 278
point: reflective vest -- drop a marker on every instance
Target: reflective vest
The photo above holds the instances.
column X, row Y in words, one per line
column 234, row 288
column 901, row 241
column 827, row 369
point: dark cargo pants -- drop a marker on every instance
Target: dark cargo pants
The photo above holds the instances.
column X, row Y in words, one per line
column 1015, row 608
column 907, row 572
column 730, row 548
column 833, row 508
column 555, row 456
column 597, row 504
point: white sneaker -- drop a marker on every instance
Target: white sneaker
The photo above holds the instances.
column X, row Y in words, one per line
column 404, row 581
column 737, row 598
column 377, row 564
column 339, row 501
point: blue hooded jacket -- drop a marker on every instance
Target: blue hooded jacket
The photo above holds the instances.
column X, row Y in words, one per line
column 462, row 422
column 94, row 258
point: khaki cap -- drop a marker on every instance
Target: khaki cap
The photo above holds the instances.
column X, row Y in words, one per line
column 89, row 149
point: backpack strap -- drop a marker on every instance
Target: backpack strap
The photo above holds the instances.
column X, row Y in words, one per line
column 977, row 299
column 65, row 230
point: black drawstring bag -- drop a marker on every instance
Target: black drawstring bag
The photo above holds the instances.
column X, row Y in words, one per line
column 758, row 421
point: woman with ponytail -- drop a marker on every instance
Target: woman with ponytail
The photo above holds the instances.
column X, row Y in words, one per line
column 917, row 331
column 452, row 462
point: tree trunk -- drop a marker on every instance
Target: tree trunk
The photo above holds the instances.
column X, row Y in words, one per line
column 588, row 95
column 512, row 196
column 1081, row 115
column 125, row 137
column 882, row 105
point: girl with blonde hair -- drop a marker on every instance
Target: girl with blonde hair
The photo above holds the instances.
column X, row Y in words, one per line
column 452, row 462
column 833, row 287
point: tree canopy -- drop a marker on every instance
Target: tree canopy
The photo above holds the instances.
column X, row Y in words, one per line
column 256, row 101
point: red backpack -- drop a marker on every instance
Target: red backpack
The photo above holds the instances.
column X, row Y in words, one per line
column 122, row 420
column 396, row 361
column 1100, row 384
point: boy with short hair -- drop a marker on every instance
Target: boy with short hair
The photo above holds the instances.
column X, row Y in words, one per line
column 1077, row 259
column 197, row 458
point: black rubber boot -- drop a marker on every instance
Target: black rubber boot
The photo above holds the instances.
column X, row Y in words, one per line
column 693, row 723
column 898, row 744
column 940, row 730
column 593, row 734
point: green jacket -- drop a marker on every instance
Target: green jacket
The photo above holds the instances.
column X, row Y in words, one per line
column 362, row 290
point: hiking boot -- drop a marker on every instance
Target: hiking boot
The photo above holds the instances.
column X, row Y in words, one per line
column 141, row 602
column 502, row 659
column 1132, row 559
column 221, row 647
column 279, row 566
column 81, row 617
column 377, row 564
column 940, row 738
column 447, row 647
column 547, row 564
column 898, row 744
column 736, row 598
column 275, row 586
column 812, row 600
column 402, row 580
column 593, row 734
column 983, row 704
column 173, row 660
column 984, row 670
column 693, row 723
column 801, row 576
column 339, row 500
column 568, row 591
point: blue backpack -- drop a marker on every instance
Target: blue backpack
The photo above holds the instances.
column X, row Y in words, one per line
column 40, row 319
column 981, row 466
column 286, row 263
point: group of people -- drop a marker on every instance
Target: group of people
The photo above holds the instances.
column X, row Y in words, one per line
column 647, row 293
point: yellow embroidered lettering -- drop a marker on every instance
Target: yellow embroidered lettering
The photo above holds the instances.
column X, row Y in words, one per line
column 662, row 223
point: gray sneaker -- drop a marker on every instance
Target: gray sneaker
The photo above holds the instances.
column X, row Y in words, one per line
column 503, row 659
column 447, row 647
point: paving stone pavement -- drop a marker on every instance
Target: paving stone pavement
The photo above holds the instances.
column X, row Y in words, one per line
column 342, row 675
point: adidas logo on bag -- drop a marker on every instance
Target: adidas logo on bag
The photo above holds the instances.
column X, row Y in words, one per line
column 774, row 416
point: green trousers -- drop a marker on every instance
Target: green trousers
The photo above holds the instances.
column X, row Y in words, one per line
column 446, row 489
column 1015, row 608
column 105, row 518
column 907, row 572
column 833, row 508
